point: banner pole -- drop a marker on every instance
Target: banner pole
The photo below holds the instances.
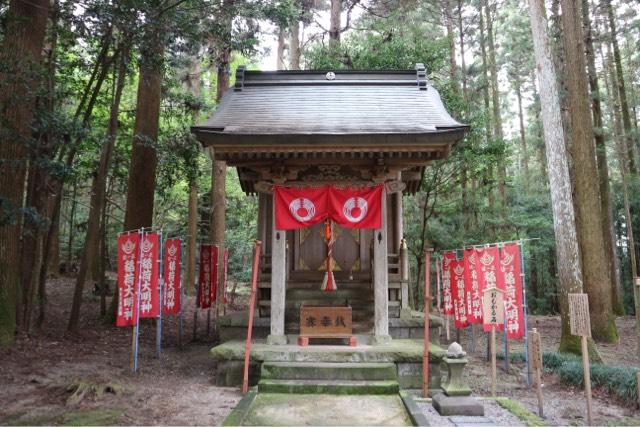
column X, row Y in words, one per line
column 252, row 303
column 136, row 335
column 160, row 292
column 181, row 315
column 525, row 309
column 506, row 344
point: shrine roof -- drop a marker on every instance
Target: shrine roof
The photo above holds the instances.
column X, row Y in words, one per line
column 302, row 111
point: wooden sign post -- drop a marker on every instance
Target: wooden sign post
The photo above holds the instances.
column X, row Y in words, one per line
column 536, row 359
column 580, row 323
column 493, row 314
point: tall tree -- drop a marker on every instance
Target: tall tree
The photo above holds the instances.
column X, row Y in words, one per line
column 142, row 177
column 603, row 166
column 564, row 222
column 595, row 268
column 90, row 252
column 294, row 46
column 21, row 56
column 334, row 23
column 622, row 91
column 496, row 118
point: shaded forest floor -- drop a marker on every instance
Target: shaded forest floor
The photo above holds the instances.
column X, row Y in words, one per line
column 84, row 378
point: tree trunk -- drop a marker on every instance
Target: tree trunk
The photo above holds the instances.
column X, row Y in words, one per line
column 334, row 23
column 595, row 268
column 98, row 189
column 194, row 87
column 487, row 104
column 21, row 56
column 623, row 166
column 294, row 46
column 280, row 51
column 523, row 139
column 496, row 116
column 603, row 167
column 71, row 225
column 463, row 65
column 564, row 224
column 142, row 170
column 622, row 92
column 447, row 11
column 218, row 174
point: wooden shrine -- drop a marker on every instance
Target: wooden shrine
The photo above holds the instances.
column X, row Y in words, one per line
column 346, row 128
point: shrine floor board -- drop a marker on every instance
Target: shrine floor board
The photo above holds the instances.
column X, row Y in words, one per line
column 274, row 409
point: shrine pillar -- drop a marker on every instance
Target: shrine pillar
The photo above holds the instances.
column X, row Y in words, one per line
column 381, row 279
column 278, row 282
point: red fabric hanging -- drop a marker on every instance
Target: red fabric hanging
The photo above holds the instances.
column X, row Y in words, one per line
column 149, row 272
column 489, row 272
column 225, row 274
column 300, row 207
column 473, row 291
column 458, row 290
column 348, row 207
column 511, row 272
column 447, row 294
column 128, row 256
column 356, row 207
column 213, row 279
column 171, row 276
column 204, row 279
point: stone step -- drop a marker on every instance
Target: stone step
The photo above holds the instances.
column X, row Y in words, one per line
column 329, row 371
column 356, row 387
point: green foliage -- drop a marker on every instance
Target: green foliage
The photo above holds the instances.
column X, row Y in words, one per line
column 392, row 44
column 515, row 357
column 618, row 381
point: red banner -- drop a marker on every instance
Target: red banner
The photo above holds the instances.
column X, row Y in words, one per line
column 472, row 287
column 204, row 279
column 300, row 207
column 213, row 279
column 459, row 297
column 489, row 272
column 149, row 273
column 128, row 256
column 356, row 207
column 171, row 276
column 511, row 272
column 225, row 274
column 447, row 294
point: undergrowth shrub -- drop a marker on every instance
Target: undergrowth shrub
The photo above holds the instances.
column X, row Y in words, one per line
column 515, row 357
column 619, row 381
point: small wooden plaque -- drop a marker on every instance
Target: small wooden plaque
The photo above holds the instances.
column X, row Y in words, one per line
column 579, row 319
column 323, row 320
column 493, row 306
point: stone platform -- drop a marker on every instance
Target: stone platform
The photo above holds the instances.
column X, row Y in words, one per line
column 410, row 325
column 405, row 354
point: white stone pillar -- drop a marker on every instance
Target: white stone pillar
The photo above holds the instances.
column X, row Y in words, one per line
column 381, row 279
column 278, row 282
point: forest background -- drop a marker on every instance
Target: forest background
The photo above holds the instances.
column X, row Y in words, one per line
column 98, row 97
